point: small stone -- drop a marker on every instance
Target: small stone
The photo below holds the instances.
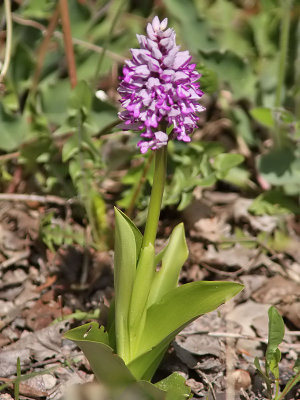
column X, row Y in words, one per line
column 49, row 381
column 5, row 307
column 34, row 273
column 5, row 396
column 241, row 379
column 197, row 387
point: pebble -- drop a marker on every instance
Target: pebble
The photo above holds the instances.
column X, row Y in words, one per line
column 5, row 396
column 241, row 379
column 49, row 381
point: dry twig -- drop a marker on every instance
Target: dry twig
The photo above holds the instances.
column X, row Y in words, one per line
column 37, row 198
column 89, row 46
column 44, row 47
column 65, row 20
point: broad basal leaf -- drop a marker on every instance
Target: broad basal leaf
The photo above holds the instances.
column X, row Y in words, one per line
column 137, row 234
column 127, row 247
column 143, row 390
column 145, row 365
column 182, row 305
column 108, row 367
column 174, row 255
column 139, row 297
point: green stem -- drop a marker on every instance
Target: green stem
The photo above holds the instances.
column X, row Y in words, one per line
column 277, row 388
column 8, row 17
column 284, row 40
column 291, row 383
column 139, row 186
column 108, row 39
column 146, row 267
column 297, row 76
column 156, row 196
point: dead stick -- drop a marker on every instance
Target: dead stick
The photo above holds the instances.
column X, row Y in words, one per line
column 207, row 381
column 65, row 20
column 232, row 335
column 36, row 198
column 9, row 156
column 14, row 259
column 44, row 47
column 235, row 335
column 89, row 46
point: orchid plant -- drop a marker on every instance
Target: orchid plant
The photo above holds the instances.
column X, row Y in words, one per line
column 160, row 95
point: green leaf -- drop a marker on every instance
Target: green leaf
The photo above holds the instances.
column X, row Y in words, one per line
column 191, row 25
column 274, row 202
column 10, row 101
column 139, row 297
column 182, row 305
column 70, row 148
column 127, row 248
column 99, row 217
column 238, row 176
column 175, row 254
column 224, row 162
column 233, row 70
column 144, row 366
column 175, row 387
column 263, row 115
column 209, row 79
column 55, row 99
column 168, row 317
column 186, row 199
column 296, row 366
column 102, row 115
column 79, row 315
column 281, row 167
column 137, row 233
column 275, row 337
column 22, row 66
column 244, row 128
column 108, row 367
column 13, row 131
column 220, row 14
column 274, row 363
column 257, row 365
column 81, row 99
column 143, row 390
column 38, row 9
column 263, row 375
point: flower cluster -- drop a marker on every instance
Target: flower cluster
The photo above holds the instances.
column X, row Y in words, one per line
column 159, row 89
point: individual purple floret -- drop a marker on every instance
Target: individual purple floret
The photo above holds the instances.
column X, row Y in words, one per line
column 159, row 89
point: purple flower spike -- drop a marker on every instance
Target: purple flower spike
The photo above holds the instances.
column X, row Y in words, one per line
column 159, row 89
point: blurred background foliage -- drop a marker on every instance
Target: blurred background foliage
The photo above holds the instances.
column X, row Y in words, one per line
column 66, row 141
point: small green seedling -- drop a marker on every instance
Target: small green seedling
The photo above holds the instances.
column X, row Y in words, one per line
column 273, row 357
